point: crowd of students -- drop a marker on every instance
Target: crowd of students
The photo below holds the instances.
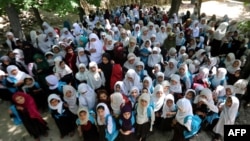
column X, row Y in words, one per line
column 124, row 73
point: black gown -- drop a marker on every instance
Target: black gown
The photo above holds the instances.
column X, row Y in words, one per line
column 89, row 132
column 34, row 126
column 64, row 121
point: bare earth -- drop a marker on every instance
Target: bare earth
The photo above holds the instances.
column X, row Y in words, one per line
column 10, row 132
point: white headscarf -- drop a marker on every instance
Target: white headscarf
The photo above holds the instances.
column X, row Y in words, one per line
column 95, row 79
column 175, row 88
column 87, row 96
column 231, row 56
column 106, row 112
column 81, row 59
column 71, row 101
column 150, row 83
column 158, row 101
column 155, row 58
column 221, row 31
column 82, row 76
column 169, row 71
column 167, row 109
column 53, row 81
column 59, row 106
column 184, row 109
column 117, row 102
column 97, row 45
column 231, row 69
column 67, row 36
column 227, row 116
column 240, row 86
column 43, row 45
column 122, row 89
column 128, row 84
column 85, row 109
column 19, row 76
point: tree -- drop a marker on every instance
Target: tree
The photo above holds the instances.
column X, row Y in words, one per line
column 175, row 5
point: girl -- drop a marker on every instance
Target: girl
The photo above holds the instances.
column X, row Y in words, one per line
column 55, row 86
column 103, row 97
column 15, row 78
column 94, row 47
column 87, row 96
column 130, row 63
column 171, row 68
column 31, row 118
column 70, row 97
column 117, row 102
column 140, row 70
column 168, row 113
column 190, row 95
column 127, row 123
column 165, row 84
column 134, row 95
column 175, row 86
column 96, row 79
column 33, row 88
column 159, row 78
column 106, row 67
column 131, row 79
column 62, row 70
column 82, row 74
column 145, row 117
column 205, row 108
column 62, row 116
column 158, row 98
column 228, row 114
column 145, row 51
column 87, row 125
column 148, row 84
column 185, row 76
column 156, row 69
column 154, row 58
column 106, row 123
column 219, row 78
column 82, row 58
column 201, row 79
column 119, row 87
column 186, row 125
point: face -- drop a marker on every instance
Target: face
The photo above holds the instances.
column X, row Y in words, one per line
column 20, row 100
column 159, row 94
column 169, row 103
column 131, row 61
column 70, row 50
column 144, row 103
column 6, row 62
column 173, row 82
column 110, row 42
column 134, row 93
column 139, row 68
column 38, row 60
column 68, row 93
column 166, row 88
column 156, row 69
column 181, row 71
column 236, row 64
column 105, row 60
column 117, row 88
column 182, row 51
column 130, row 79
column 81, row 53
column 28, row 81
column 189, row 96
column 145, row 83
column 131, row 44
column 228, row 92
column 100, row 112
column 103, row 96
column 62, row 65
column 56, row 50
column 145, row 91
column 92, row 40
column 54, row 102
column 229, row 102
column 123, row 35
column 171, row 65
column 14, row 72
column 93, row 69
column 83, row 115
column 126, row 115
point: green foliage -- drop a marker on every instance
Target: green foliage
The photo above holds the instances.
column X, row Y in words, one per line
column 244, row 26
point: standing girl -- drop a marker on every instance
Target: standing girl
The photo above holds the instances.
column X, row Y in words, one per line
column 86, row 125
column 31, row 118
column 70, row 97
column 145, row 117
column 62, row 116
column 106, row 123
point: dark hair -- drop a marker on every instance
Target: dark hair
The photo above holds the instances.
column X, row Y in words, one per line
column 100, row 107
column 54, row 99
column 82, row 112
column 25, row 79
column 101, row 91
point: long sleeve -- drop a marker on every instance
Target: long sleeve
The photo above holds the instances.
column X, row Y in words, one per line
column 109, row 125
column 213, row 107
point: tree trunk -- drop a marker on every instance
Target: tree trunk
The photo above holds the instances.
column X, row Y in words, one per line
column 199, row 8
column 81, row 13
column 15, row 24
column 175, row 5
column 38, row 16
column 193, row 1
